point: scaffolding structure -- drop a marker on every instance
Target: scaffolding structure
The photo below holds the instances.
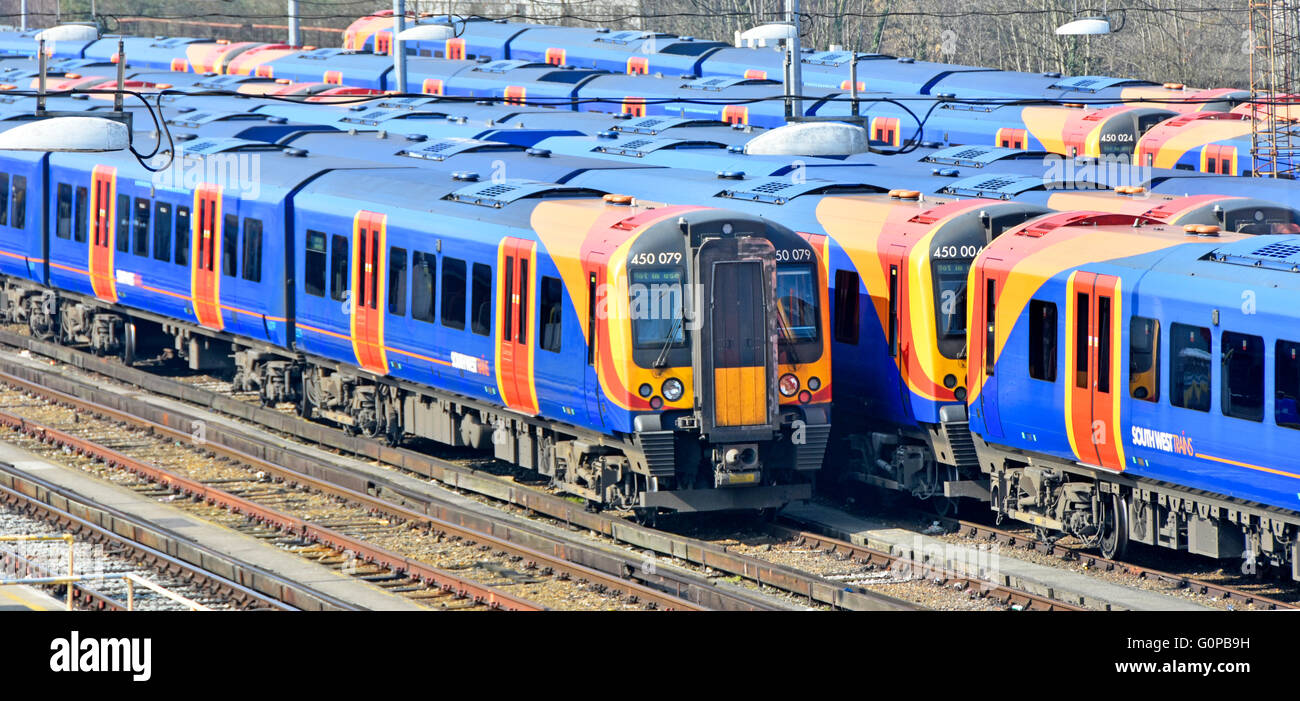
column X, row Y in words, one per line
column 1275, row 135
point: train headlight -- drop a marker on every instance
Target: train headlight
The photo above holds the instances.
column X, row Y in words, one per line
column 789, row 385
column 645, row 390
column 814, row 383
column 672, row 389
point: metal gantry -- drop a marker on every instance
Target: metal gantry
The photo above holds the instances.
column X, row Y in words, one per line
column 1275, row 135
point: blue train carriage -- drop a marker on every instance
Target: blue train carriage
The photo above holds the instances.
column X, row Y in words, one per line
column 23, row 245
column 192, row 256
column 1155, row 382
column 558, row 327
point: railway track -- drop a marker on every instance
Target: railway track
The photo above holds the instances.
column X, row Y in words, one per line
column 346, row 536
column 122, row 544
column 971, row 582
column 384, row 491
column 979, row 531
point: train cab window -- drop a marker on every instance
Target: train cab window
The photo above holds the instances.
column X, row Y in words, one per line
column 63, row 220
column 550, row 313
column 656, row 303
column 4, row 199
column 453, row 293
column 79, row 215
column 183, row 234
column 252, row 249
column 124, row 223
column 339, row 264
column 846, row 307
column 1144, row 359
column 162, row 231
column 140, row 228
column 396, row 280
column 1287, row 381
column 1042, row 340
column 481, row 300
column 424, row 271
column 230, row 245
column 796, row 302
column 18, row 214
column 1189, row 367
column 1241, row 390
column 314, row 265
column 950, row 311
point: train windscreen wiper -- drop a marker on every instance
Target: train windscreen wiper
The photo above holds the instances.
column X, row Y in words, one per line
column 662, row 360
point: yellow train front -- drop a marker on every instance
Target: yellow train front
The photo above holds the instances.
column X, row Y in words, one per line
column 712, row 359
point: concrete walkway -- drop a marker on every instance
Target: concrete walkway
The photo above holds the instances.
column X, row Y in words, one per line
column 1045, row 580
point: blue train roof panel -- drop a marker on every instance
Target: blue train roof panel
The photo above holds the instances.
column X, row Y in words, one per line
column 1095, row 83
column 499, row 194
column 835, row 59
column 142, row 51
column 994, row 186
column 657, row 125
column 195, row 118
column 978, row 156
column 641, row 147
column 1270, row 253
column 442, row 149
column 780, row 190
column 208, row 146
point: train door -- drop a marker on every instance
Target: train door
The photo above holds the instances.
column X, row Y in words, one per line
column 366, row 312
column 102, row 195
column 205, row 273
column 990, row 288
column 514, row 352
column 737, row 356
column 896, row 323
column 1091, row 343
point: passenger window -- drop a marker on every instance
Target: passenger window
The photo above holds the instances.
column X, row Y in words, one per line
column 230, row 245
column 1144, row 359
column 339, row 265
column 1287, row 366
column 183, row 234
column 162, row 231
column 453, row 293
column 1082, row 328
column 990, row 323
column 141, row 229
column 1241, row 391
column 481, row 300
column 4, row 199
column 550, row 314
column 252, row 249
column 313, row 279
column 1103, row 344
column 1189, row 367
column 846, row 307
column 79, row 215
column 1042, row 340
column 424, row 270
column 18, row 218
column 63, row 223
column 396, row 280
column 124, row 223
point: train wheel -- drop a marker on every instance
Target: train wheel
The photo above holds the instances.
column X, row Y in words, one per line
column 1114, row 528
column 646, row 516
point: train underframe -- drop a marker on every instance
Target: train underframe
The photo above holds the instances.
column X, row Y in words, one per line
column 622, row 472
column 946, row 464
